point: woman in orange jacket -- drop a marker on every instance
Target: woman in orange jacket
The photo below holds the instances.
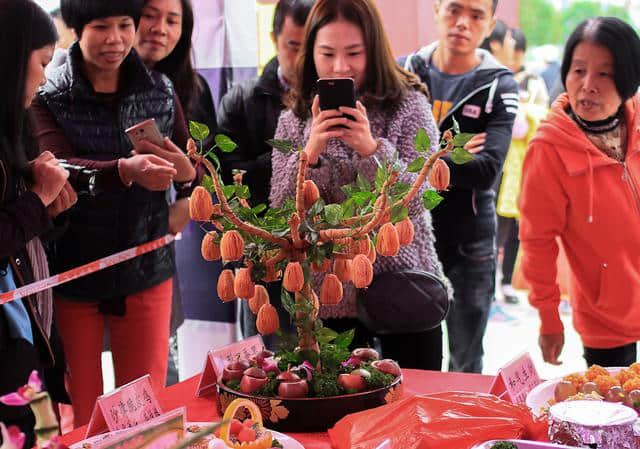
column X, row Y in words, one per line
column 581, row 184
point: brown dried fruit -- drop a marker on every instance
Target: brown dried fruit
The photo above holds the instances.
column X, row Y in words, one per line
column 439, row 176
column 361, row 271
column 271, row 274
column 363, row 246
column 405, row 231
column 243, row 285
column 200, row 204
column 388, row 243
column 231, row 246
column 267, row 321
column 293, row 279
column 326, row 266
column 259, row 298
column 210, row 249
column 372, row 254
column 331, row 291
column 311, row 193
column 225, row 286
column 342, row 269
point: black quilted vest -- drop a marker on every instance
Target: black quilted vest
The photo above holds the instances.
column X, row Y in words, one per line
column 111, row 221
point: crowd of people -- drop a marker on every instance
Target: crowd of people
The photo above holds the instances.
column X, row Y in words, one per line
column 535, row 183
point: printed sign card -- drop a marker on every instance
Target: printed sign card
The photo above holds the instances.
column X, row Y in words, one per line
column 161, row 432
column 516, row 379
column 125, row 407
column 216, row 359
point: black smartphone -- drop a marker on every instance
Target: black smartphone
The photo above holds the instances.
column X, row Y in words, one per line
column 336, row 92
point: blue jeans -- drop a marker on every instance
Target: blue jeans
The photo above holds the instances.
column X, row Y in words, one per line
column 471, row 268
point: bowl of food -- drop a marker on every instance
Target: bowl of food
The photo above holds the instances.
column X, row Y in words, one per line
column 614, row 384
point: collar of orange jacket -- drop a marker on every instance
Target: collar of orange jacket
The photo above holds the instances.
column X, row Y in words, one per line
column 576, row 151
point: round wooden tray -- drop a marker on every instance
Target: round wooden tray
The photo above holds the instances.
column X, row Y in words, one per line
column 311, row 414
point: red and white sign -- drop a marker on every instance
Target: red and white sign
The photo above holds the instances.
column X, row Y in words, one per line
column 125, row 407
column 217, row 358
column 516, row 379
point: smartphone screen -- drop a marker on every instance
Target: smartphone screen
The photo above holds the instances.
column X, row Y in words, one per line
column 336, row 92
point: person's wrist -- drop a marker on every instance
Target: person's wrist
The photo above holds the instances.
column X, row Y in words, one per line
column 123, row 171
column 312, row 157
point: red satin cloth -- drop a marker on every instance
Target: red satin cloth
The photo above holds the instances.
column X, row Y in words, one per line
column 205, row 409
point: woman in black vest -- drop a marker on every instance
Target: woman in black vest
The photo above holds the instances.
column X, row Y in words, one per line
column 31, row 194
column 81, row 114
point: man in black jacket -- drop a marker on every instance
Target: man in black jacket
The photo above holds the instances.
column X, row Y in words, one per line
column 249, row 113
column 467, row 84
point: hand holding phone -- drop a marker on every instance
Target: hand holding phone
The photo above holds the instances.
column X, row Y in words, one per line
column 146, row 130
column 336, row 92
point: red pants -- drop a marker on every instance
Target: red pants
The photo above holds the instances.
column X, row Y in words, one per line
column 139, row 344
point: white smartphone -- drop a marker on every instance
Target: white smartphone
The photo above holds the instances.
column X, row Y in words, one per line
column 146, row 130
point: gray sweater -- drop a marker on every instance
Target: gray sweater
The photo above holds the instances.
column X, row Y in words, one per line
column 395, row 130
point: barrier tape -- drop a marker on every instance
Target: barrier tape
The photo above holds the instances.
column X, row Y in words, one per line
column 86, row 269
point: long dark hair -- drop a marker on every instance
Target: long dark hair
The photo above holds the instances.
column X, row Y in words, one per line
column 24, row 27
column 178, row 65
column 385, row 84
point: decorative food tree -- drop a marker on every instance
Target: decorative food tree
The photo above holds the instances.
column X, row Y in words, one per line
column 306, row 235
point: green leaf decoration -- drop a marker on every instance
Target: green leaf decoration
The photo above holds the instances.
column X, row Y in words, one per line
column 344, row 339
column 283, row 146
column 259, row 208
column 416, row 165
column 430, row 199
column 363, row 184
column 422, row 142
column 348, row 208
column 211, row 155
column 381, row 178
column 326, row 335
column 198, row 131
column 317, row 207
column 399, row 213
column 456, row 125
column 288, row 303
column 308, row 354
column 242, row 191
column 362, row 198
column 333, row 214
column 228, row 191
column 207, row 183
column 461, row 140
column 461, row 156
column 225, row 144
column 400, row 188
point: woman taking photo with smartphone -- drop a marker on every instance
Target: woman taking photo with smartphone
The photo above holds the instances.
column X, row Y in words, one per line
column 346, row 39
column 81, row 115
column 33, row 190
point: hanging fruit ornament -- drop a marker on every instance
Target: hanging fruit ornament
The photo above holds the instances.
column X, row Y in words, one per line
column 440, row 175
column 259, row 298
column 200, row 204
column 243, row 285
column 405, row 231
column 361, row 271
column 210, row 249
column 225, row 286
column 267, row 321
column 388, row 243
column 231, row 246
column 331, row 290
column 293, row 279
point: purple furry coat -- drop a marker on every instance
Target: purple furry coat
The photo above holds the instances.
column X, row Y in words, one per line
column 395, row 130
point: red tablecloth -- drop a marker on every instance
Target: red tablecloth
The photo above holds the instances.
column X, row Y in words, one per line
column 204, row 409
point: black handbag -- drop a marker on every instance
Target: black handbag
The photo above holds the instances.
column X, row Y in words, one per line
column 400, row 302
